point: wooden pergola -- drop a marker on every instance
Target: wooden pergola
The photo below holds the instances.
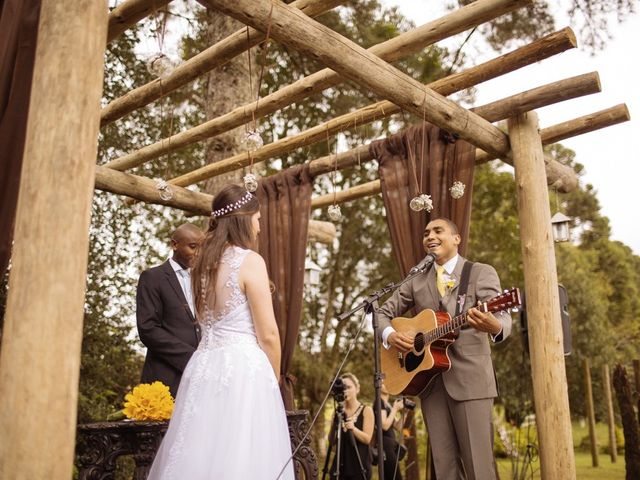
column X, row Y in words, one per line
column 40, row 356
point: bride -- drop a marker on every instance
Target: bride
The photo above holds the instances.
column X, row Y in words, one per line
column 229, row 421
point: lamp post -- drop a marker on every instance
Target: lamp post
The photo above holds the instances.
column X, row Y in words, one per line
column 311, row 272
column 560, row 227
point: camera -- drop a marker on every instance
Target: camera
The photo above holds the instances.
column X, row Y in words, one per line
column 408, row 403
column 337, row 390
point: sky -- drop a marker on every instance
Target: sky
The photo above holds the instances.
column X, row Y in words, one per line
column 610, row 157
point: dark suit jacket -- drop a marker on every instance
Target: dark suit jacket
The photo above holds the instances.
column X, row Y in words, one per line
column 471, row 375
column 166, row 326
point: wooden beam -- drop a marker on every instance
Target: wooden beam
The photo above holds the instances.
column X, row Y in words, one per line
column 199, row 64
column 405, row 44
column 550, row 390
column 42, row 332
column 573, row 128
column 129, row 13
column 322, row 232
column 530, row 100
column 533, row 99
column 359, row 191
column 556, row 174
column 548, row 94
column 143, row 188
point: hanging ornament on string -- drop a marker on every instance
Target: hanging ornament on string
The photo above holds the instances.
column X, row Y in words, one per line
column 160, row 65
column 421, row 202
column 457, row 189
column 334, row 213
column 250, row 182
column 164, row 189
column 252, row 140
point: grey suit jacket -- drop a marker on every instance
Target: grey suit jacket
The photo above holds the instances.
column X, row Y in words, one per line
column 471, row 375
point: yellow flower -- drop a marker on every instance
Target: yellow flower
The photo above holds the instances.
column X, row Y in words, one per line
column 450, row 284
column 149, row 402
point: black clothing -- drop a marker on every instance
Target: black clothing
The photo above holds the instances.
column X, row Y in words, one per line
column 166, row 326
column 349, row 465
column 390, row 447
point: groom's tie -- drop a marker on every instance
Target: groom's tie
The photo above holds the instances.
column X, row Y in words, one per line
column 440, row 279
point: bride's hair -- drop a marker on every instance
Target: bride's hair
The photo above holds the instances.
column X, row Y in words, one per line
column 230, row 224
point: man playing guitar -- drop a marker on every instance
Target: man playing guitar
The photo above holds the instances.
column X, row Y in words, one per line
column 457, row 403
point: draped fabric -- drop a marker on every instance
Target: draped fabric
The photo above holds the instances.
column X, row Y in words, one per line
column 423, row 159
column 285, row 207
column 18, row 35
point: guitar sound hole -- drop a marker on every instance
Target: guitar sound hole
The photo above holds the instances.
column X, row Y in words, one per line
column 418, row 342
column 412, row 361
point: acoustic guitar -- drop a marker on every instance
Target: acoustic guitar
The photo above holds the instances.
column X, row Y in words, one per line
column 433, row 333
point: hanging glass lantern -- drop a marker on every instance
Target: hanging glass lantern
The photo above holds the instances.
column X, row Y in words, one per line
column 334, row 212
column 560, row 227
column 250, row 182
column 164, row 190
column 253, row 141
column 160, row 65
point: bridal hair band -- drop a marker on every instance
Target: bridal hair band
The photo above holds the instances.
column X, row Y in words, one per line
column 232, row 206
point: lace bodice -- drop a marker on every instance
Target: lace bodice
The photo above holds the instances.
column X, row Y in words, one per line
column 229, row 319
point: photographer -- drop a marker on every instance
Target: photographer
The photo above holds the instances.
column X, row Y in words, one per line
column 357, row 428
column 391, row 423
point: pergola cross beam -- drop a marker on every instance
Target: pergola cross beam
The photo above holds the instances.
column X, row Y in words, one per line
column 390, row 50
column 293, row 28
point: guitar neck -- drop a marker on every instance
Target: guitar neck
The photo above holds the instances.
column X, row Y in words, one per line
column 445, row 329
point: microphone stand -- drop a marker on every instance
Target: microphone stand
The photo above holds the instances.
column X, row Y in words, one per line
column 370, row 305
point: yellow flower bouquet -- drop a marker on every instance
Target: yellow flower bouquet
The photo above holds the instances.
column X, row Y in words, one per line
column 149, row 402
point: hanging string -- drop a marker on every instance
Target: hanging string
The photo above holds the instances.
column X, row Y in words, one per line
column 254, row 128
column 424, row 108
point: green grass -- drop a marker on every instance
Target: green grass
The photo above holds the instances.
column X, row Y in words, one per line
column 584, row 469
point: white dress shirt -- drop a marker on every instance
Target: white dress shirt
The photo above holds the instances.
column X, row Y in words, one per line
column 184, row 279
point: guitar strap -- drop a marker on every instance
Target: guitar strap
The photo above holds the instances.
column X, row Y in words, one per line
column 464, row 284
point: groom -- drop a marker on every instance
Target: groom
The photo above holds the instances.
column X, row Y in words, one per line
column 165, row 311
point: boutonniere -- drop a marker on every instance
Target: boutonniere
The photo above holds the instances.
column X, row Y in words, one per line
column 449, row 285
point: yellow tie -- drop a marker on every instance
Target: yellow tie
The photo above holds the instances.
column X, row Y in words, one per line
column 440, row 279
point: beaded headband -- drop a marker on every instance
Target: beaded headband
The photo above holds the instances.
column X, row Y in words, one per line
column 232, row 206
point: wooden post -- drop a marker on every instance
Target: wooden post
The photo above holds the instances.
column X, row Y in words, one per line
column 613, row 447
column 42, row 336
column 543, row 306
column 591, row 417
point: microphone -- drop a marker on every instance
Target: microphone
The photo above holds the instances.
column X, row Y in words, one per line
column 424, row 263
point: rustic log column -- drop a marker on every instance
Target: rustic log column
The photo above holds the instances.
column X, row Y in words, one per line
column 543, row 306
column 611, row 421
column 40, row 356
column 591, row 416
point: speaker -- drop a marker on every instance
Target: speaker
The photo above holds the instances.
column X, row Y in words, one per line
column 564, row 317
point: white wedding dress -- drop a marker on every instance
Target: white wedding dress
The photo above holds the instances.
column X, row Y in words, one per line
column 229, row 421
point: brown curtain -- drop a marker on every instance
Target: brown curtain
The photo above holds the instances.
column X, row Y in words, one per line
column 285, row 206
column 18, row 35
column 427, row 156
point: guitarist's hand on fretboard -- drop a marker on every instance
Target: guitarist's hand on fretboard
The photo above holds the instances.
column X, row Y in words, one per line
column 483, row 321
column 402, row 341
